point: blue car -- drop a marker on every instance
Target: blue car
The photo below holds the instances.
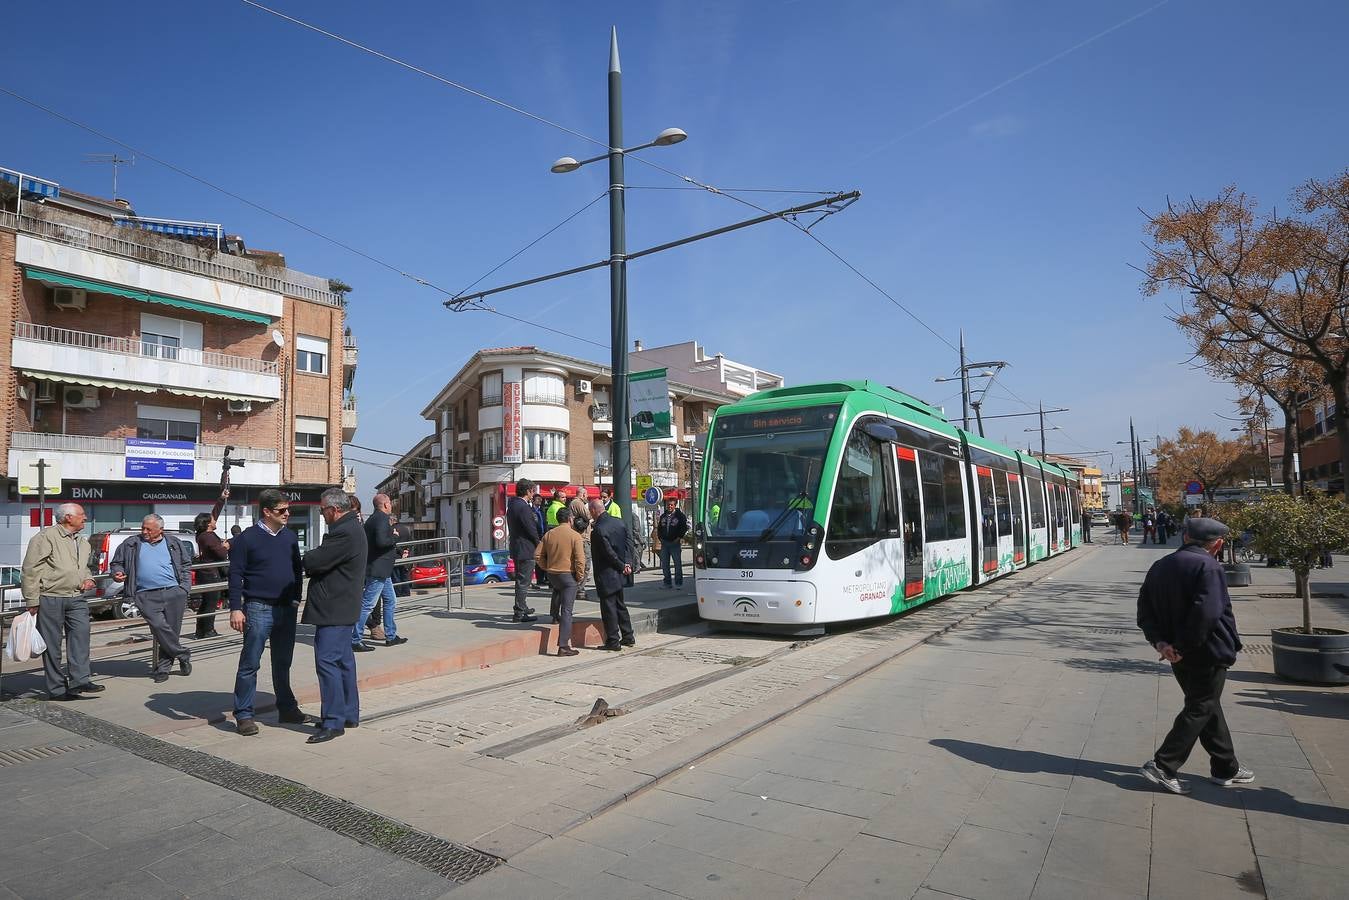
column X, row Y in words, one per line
column 480, row 567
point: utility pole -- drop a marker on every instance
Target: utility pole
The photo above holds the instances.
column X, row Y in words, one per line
column 1042, row 429
column 964, row 386
column 1133, row 453
column 42, row 466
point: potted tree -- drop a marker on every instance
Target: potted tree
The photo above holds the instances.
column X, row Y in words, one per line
column 1300, row 530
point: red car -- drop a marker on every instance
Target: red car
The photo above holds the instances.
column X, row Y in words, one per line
column 480, row 567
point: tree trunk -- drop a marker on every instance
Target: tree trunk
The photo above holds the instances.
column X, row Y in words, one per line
column 1304, row 589
column 1289, row 436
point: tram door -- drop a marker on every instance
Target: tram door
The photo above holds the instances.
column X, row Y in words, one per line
column 1058, row 542
column 911, row 514
column 1018, row 519
column 988, row 524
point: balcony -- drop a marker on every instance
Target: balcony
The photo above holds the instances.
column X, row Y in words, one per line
column 602, row 416
column 102, row 357
column 349, row 418
column 91, row 458
column 147, row 248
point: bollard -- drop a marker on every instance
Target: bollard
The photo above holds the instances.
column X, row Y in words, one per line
column 1238, row 574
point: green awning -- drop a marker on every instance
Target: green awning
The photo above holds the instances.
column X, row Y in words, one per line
column 99, row 287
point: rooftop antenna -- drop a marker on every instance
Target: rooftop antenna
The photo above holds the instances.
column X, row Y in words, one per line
column 110, row 159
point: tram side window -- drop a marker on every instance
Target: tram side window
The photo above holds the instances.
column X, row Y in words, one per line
column 1036, row 491
column 934, row 495
column 864, row 503
column 1004, row 504
column 955, row 497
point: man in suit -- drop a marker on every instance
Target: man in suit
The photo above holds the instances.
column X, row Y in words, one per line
column 609, row 549
column 336, row 571
column 382, row 546
column 156, row 571
column 525, row 536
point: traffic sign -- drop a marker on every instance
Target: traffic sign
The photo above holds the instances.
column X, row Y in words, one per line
column 498, row 521
column 652, row 496
column 1194, row 487
column 499, row 533
column 643, row 483
column 51, row 476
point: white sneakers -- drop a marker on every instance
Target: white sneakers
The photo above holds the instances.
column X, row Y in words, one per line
column 1153, row 772
column 1243, row 776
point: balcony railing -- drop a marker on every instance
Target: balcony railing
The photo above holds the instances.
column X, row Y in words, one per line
column 546, row 399
column 84, row 443
column 602, row 413
column 545, row 456
column 491, row 400
column 143, row 247
column 130, row 346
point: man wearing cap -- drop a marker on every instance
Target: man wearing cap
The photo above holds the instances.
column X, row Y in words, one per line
column 1185, row 612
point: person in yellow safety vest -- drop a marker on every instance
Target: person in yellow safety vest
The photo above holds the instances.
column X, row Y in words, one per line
column 714, row 514
column 550, row 514
column 610, row 505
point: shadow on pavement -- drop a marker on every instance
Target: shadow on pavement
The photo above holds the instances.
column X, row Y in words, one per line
column 1317, row 704
column 1113, row 665
column 1125, row 777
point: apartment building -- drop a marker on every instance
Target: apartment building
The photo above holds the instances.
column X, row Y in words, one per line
column 410, row 484
column 555, row 412
column 1319, row 445
column 134, row 350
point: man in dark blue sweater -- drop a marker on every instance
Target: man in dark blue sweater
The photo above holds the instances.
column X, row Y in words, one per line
column 1185, row 612
column 266, row 578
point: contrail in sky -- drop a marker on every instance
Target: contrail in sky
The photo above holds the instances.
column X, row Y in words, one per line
column 1014, row 79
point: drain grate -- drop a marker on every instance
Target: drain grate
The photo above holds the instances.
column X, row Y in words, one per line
column 33, row 754
column 451, row 861
column 1258, row 649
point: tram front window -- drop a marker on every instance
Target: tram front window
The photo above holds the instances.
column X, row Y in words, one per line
column 766, row 474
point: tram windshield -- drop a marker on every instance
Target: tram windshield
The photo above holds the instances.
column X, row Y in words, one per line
column 765, row 474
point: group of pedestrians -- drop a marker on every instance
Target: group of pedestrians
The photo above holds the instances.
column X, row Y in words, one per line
column 348, row 572
column 584, row 539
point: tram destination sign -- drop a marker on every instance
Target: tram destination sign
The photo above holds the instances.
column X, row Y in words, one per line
column 804, row 419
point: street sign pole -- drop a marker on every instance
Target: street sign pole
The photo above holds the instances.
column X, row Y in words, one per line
column 41, row 467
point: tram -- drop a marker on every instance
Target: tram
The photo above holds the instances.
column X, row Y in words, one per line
column 829, row 503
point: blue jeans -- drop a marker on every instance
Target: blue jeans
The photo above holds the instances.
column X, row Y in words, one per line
column 263, row 623
column 374, row 587
column 670, row 552
column 335, row 665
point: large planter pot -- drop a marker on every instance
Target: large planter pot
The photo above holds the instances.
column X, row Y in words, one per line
column 1238, row 574
column 1314, row 658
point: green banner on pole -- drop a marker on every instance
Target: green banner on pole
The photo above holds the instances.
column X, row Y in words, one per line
column 649, row 403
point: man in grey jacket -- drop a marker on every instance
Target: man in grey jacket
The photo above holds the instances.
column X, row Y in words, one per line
column 56, row 573
column 156, row 569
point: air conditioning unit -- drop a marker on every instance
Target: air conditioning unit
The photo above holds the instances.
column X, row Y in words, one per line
column 583, row 385
column 68, row 298
column 80, row 397
column 46, row 392
column 241, row 406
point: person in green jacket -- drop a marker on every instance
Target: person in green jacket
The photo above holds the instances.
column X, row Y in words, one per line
column 558, row 502
column 610, row 505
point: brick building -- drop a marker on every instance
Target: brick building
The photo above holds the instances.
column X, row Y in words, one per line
column 566, row 428
column 1319, row 446
column 133, row 350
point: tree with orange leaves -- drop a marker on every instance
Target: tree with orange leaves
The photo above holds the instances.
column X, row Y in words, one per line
column 1272, row 290
column 1199, row 456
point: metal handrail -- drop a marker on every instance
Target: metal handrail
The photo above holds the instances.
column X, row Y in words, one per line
column 131, row 346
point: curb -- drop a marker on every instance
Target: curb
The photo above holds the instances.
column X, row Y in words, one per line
column 602, row 794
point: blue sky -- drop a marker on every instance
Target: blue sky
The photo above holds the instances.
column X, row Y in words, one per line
column 1003, row 150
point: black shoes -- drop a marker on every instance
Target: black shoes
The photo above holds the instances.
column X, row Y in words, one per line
column 210, row 634
column 292, row 717
column 161, row 677
column 89, row 688
column 524, row 619
column 568, row 651
column 610, row 647
column 184, row 666
column 629, row 642
column 361, row 648
column 246, row 727
column 65, row 698
column 395, row 641
column 323, row 735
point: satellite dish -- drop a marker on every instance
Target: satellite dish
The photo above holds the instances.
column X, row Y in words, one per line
column 278, row 338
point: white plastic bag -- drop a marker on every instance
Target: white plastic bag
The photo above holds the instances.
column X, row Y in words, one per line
column 24, row 641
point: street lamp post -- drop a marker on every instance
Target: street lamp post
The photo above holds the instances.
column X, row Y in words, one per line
column 621, row 460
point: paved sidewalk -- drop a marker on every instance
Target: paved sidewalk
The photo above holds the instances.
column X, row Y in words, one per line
column 83, row 819
column 998, row 761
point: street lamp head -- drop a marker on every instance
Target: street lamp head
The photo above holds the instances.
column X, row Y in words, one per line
column 564, row 165
column 670, row 136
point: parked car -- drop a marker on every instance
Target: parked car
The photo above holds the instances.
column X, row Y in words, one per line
column 1100, row 518
column 10, row 579
column 108, row 593
column 480, row 567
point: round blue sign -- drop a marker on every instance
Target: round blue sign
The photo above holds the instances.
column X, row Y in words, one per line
column 652, row 496
column 1194, row 487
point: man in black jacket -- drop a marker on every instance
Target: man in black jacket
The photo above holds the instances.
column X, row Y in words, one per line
column 382, row 544
column 671, row 528
column 336, row 571
column 523, row 524
column 1185, row 613
column 609, row 548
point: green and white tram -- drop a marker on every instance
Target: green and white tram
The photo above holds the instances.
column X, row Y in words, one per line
column 833, row 502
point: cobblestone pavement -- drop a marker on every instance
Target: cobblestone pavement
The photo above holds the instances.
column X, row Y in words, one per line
column 997, row 761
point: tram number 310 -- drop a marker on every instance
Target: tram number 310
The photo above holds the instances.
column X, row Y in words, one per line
column 746, row 573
